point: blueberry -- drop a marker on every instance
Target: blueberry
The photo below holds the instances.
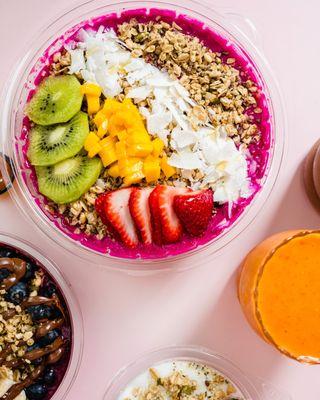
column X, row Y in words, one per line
column 17, row 293
column 37, row 391
column 49, row 338
column 49, row 376
column 8, row 253
column 41, row 311
column 4, row 273
column 30, row 271
column 49, row 290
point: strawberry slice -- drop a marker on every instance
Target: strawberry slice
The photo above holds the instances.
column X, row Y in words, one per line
column 117, row 213
column 194, row 210
column 155, row 217
column 140, row 212
column 165, row 223
column 99, row 206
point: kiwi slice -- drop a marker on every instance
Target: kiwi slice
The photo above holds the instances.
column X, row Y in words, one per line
column 67, row 180
column 51, row 144
column 56, row 100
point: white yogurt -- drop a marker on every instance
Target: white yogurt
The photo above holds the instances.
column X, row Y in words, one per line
column 195, row 372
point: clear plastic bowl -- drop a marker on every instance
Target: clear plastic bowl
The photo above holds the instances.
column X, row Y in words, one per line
column 250, row 387
column 73, row 307
column 15, row 96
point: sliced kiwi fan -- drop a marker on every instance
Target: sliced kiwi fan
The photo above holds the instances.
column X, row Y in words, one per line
column 51, row 144
column 56, row 100
column 67, row 180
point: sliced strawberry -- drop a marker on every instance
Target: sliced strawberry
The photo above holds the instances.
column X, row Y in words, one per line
column 99, row 206
column 165, row 224
column 155, row 217
column 194, row 210
column 116, row 208
column 140, row 212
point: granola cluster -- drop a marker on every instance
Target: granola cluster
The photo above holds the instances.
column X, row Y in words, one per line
column 17, row 332
column 178, row 386
column 212, row 83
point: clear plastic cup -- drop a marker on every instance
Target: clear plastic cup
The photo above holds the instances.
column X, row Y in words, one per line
column 251, row 388
column 71, row 302
column 24, row 192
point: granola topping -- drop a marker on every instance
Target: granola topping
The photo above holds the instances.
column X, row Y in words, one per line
column 181, row 380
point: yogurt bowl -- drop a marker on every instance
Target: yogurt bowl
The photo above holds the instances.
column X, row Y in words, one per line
column 40, row 310
column 191, row 369
column 219, row 35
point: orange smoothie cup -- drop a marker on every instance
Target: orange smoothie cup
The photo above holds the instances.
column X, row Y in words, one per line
column 279, row 291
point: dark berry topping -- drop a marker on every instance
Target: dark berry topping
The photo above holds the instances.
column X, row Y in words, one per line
column 49, row 376
column 4, row 273
column 48, row 290
column 49, row 338
column 39, row 312
column 8, row 253
column 31, row 269
column 17, row 293
column 37, row 391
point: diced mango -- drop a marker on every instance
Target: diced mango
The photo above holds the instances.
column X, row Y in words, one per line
column 108, row 151
column 140, row 150
column 108, row 141
column 137, row 137
column 93, row 104
column 91, row 140
column 94, row 150
column 110, row 107
column 131, row 179
column 158, row 147
column 167, row 169
column 99, row 118
column 113, row 171
column 91, row 89
column 121, row 151
column 151, row 169
column 103, row 129
column 130, row 165
column 108, row 155
column 122, row 135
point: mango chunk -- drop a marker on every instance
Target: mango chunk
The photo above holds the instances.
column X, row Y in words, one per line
column 99, row 118
column 91, row 140
column 94, row 150
column 167, row 169
column 91, row 89
column 121, row 151
column 140, row 150
column 158, row 147
column 93, row 104
column 114, row 171
column 151, row 169
column 103, row 129
column 108, row 155
column 131, row 179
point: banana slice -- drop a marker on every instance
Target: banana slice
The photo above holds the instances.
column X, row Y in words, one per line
column 5, row 385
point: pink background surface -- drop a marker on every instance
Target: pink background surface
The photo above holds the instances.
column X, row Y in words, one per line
column 127, row 315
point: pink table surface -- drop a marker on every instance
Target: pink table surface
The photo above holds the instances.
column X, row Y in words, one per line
column 127, row 315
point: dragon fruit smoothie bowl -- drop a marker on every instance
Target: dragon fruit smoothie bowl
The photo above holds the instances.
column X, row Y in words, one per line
column 161, row 169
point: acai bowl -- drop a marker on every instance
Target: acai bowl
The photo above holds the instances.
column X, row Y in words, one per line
column 142, row 134
column 41, row 325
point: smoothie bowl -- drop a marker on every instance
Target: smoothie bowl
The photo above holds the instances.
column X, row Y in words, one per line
column 142, row 133
column 39, row 350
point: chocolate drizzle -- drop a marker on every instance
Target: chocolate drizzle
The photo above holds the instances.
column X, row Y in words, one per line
column 17, row 268
column 49, row 354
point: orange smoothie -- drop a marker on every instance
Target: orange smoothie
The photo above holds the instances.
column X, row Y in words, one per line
column 279, row 291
